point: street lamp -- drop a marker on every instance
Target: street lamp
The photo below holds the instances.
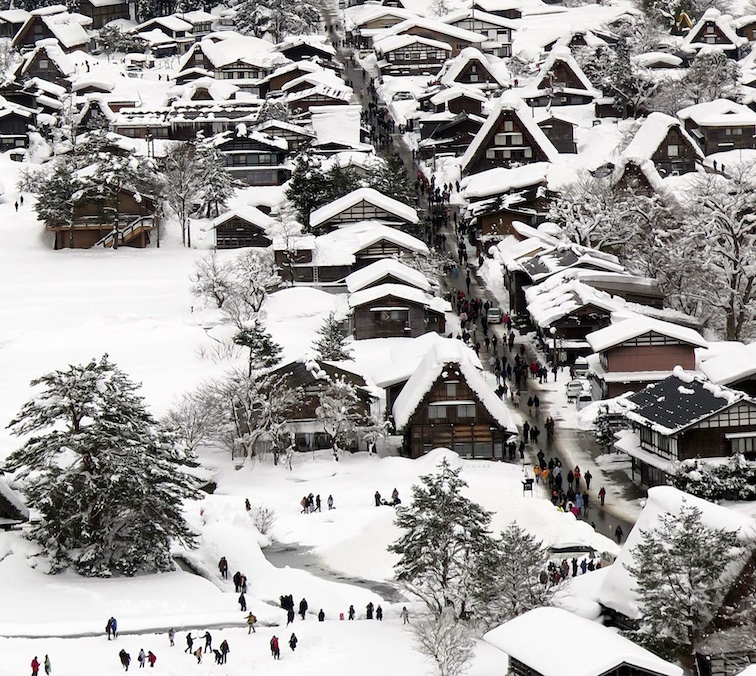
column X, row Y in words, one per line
column 553, row 333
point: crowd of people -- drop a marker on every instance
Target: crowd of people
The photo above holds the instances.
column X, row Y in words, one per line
column 312, row 503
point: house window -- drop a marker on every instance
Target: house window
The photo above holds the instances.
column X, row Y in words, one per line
column 736, row 131
column 44, row 63
column 451, row 389
column 745, row 445
column 465, row 410
column 645, row 436
column 673, row 151
column 516, row 139
column 500, row 139
column 508, row 125
column 490, row 154
column 473, row 77
column 436, row 412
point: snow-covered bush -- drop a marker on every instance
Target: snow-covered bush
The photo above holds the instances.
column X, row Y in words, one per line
column 733, row 480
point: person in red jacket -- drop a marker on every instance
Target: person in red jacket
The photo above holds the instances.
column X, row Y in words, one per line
column 35, row 666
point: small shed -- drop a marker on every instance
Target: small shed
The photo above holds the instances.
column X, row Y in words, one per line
column 242, row 228
column 13, row 512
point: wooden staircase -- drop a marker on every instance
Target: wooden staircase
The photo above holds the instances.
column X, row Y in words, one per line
column 127, row 233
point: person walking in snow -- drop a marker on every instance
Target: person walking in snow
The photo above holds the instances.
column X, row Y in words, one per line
column 369, row 610
column 35, row 666
column 377, row 499
column 125, row 659
column 198, row 655
column 251, row 619
column 303, row 608
column 48, row 666
column 141, row 658
column 317, row 503
column 224, row 650
column 588, row 476
column 618, row 533
column 208, row 641
column 114, row 627
column 237, row 581
column 404, row 615
column 570, row 478
column 330, row 503
column 602, row 495
column 351, row 612
column 171, row 636
column 223, row 567
column 379, row 613
column 189, row 643
column 274, row 648
column 576, row 473
column 151, row 658
column 293, row 642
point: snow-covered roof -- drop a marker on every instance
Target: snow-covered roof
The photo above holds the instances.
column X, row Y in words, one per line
column 359, row 279
column 723, row 22
column 367, row 13
column 64, row 26
column 496, row 67
column 231, row 47
column 718, row 113
column 54, row 53
column 510, row 103
column 455, row 92
column 435, row 26
column 546, row 306
column 618, row 590
column 338, row 124
column 88, row 81
column 315, row 41
column 500, row 180
column 486, row 17
column 250, row 214
column 393, row 42
column 634, row 326
column 601, row 650
column 315, row 77
column 402, row 211
column 447, row 351
column 400, row 291
column 735, row 363
column 14, row 15
column 648, row 59
column 171, row 23
column 565, row 256
column 680, row 401
column 652, row 133
column 557, row 54
column 12, row 507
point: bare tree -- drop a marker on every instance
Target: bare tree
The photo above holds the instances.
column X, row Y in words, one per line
column 182, row 184
column 255, row 275
column 213, row 279
column 445, row 641
column 191, row 417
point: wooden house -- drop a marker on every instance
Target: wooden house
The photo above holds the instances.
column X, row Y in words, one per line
column 714, row 29
column 15, row 123
column 11, row 21
column 301, row 47
column 55, row 23
column 395, row 311
column 720, row 125
column 178, row 31
column 104, row 11
column 281, row 76
column 372, row 21
column 663, row 140
column 618, row 655
column 363, row 204
column 411, row 55
column 13, row 512
column 452, row 137
column 560, row 82
column 508, row 9
column 745, row 26
column 47, row 62
column 636, row 351
column 201, row 22
column 241, row 228
column 474, row 69
column 509, row 137
column 187, row 119
column 302, row 102
column 312, row 377
column 497, row 29
column 295, row 135
column 434, row 30
column 684, row 417
column 447, row 403
column 253, row 157
column 560, row 131
column 93, row 223
column 326, row 260
column 458, row 100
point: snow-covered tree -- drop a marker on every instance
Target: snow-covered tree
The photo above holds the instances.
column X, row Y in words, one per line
column 390, row 178
column 712, row 75
column 249, row 409
column 679, row 568
column 273, row 109
column 191, row 419
column 275, row 19
column 216, row 184
column 445, row 537
column 330, row 346
column 106, row 478
column 264, row 352
column 113, row 39
column 339, row 413
column 433, row 266
column 212, row 279
column 183, row 181
column 445, row 641
column 255, row 276
column 56, row 192
column 605, row 425
column 508, row 577
column 721, row 232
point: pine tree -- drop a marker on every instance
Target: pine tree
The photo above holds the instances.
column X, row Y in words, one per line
column 390, row 179
column 56, row 193
column 307, row 186
column 331, row 344
column 106, row 478
column 264, row 352
column 339, row 181
column 678, row 568
column 509, row 577
column 275, row 19
column 446, row 536
column 216, row 185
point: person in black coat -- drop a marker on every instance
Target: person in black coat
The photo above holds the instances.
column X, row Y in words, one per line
column 369, row 610
column 303, row 608
column 293, row 642
column 290, row 617
column 321, row 616
column 379, row 613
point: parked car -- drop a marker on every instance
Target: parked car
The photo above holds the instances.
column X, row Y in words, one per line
column 580, row 367
column 403, row 96
column 493, row 316
column 574, row 388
